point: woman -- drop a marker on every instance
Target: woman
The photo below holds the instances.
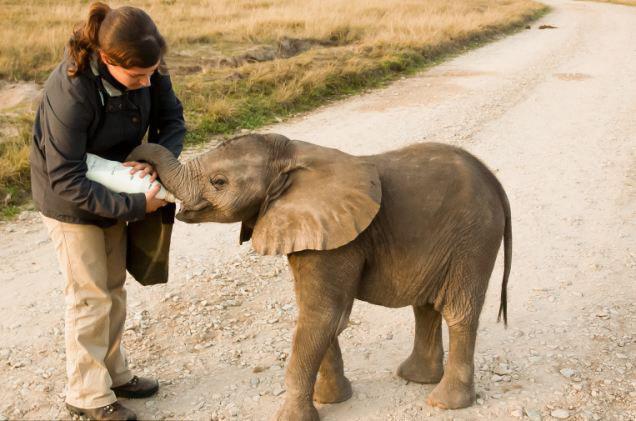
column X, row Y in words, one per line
column 102, row 98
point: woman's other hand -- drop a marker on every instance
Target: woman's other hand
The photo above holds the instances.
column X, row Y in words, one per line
column 143, row 168
column 152, row 203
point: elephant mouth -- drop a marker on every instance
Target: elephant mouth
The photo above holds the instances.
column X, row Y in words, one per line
column 195, row 213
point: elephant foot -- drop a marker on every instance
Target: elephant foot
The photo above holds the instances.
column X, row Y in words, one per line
column 452, row 395
column 332, row 390
column 419, row 370
column 297, row 411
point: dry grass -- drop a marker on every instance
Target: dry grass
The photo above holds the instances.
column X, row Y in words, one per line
column 14, row 163
column 623, row 2
column 33, row 42
column 244, row 63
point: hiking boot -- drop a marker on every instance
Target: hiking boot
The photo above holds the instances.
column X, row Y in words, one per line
column 136, row 388
column 114, row 411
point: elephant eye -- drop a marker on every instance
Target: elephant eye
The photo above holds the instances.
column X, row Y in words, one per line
column 218, row 181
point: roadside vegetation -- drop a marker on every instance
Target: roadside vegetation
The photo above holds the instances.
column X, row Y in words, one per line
column 240, row 64
column 623, row 2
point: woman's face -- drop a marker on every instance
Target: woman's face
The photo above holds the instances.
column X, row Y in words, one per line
column 132, row 78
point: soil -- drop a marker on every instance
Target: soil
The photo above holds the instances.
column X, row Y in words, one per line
column 551, row 112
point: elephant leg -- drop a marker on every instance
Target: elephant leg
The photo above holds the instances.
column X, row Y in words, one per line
column 332, row 386
column 460, row 306
column 464, row 298
column 325, row 284
column 425, row 364
column 457, row 387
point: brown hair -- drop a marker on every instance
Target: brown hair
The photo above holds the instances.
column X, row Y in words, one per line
column 126, row 35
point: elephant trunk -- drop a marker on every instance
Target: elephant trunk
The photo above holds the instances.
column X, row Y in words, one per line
column 175, row 177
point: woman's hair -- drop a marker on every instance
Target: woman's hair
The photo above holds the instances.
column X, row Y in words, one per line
column 126, row 35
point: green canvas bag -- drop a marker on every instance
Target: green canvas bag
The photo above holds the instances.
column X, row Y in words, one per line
column 148, row 246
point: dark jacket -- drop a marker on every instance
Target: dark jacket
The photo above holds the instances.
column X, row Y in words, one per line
column 93, row 113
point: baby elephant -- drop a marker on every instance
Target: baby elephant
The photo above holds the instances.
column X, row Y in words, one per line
column 419, row 226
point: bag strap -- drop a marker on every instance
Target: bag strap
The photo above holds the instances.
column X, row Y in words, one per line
column 153, row 129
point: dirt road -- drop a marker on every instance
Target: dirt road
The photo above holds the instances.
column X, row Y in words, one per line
column 552, row 111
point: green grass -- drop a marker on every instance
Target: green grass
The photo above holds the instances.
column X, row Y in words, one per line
column 15, row 183
column 255, row 103
column 220, row 100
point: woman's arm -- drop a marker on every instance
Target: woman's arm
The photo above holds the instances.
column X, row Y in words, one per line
column 167, row 126
column 65, row 120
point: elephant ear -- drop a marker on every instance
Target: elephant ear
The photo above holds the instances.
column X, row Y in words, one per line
column 324, row 201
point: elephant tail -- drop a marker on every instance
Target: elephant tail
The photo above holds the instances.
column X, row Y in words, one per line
column 507, row 240
column 507, row 235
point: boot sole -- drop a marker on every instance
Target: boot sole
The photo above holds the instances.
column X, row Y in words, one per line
column 136, row 395
column 78, row 413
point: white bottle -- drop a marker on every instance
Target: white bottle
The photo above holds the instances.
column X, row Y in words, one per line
column 116, row 177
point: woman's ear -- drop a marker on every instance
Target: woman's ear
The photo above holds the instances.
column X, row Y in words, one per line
column 324, row 202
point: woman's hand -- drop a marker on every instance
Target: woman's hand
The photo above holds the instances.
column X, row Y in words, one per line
column 152, row 203
column 143, row 168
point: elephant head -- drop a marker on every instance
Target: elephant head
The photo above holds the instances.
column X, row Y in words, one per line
column 289, row 195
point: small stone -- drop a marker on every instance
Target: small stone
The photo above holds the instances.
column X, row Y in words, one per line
column 567, row 372
column 232, row 410
column 533, row 414
column 517, row 413
column 560, row 413
column 278, row 391
column 496, row 378
column 501, row 369
column 602, row 314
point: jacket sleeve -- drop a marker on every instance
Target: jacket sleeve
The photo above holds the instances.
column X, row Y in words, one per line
column 66, row 120
column 167, row 126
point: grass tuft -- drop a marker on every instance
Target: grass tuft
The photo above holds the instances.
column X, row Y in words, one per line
column 241, row 64
column 15, row 182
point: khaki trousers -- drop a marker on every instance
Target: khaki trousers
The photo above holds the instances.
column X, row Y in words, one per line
column 93, row 261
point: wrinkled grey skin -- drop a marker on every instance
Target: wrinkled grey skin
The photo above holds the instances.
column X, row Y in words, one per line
column 428, row 239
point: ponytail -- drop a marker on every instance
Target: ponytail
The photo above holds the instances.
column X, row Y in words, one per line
column 85, row 39
column 126, row 35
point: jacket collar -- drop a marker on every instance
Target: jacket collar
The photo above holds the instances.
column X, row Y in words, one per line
column 112, row 87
